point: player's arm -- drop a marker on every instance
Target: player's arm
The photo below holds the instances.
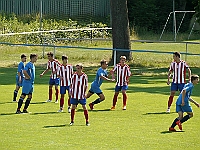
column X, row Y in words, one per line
column 183, row 96
column 107, row 79
column 27, row 77
column 189, row 74
column 194, row 102
column 44, row 72
column 168, row 77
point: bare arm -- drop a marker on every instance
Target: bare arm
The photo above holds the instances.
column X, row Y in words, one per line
column 194, row 102
column 189, row 74
column 183, row 97
column 169, row 75
column 107, row 79
column 45, row 71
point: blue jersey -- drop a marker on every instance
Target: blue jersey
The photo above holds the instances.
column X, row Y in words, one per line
column 20, row 69
column 98, row 81
column 30, row 69
column 188, row 87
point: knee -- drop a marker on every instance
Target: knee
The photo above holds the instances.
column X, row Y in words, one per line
column 191, row 115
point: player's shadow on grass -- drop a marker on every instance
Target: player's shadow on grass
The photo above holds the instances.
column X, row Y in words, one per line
column 96, row 110
column 45, row 113
column 38, row 102
column 166, row 132
column 158, row 113
column 55, row 126
column 6, row 114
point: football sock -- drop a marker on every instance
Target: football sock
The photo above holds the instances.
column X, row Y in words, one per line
column 69, row 104
column 50, row 94
column 86, row 115
column 96, row 101
column 115, row 99
column 174, row 123
column 72, row 115
column 15, row 95
column 61, row 102
column 124, row 99
column 170, row 101
column 185, row 118
column 20, row 102
column 57, row 93
column 27, row 103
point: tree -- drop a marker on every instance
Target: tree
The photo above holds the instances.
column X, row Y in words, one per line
column 120, row 28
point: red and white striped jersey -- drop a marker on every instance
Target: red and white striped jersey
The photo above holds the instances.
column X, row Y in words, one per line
column 179, row 71
column 66, row 73
column 53, row 65
column 123, row 72
column 79, row 84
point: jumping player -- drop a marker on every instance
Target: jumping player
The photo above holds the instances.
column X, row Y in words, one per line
column 95, row 86
column 79, row 84
column 27, row 89
column 19, row 76
column 65, row 72
column 178, row 68
column 52, row 65
column 183, row 105
column 123, row 74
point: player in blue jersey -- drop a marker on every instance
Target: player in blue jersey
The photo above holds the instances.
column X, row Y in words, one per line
column 183, row 105
column 95, row 86
column 27, row 88
column 19, row 76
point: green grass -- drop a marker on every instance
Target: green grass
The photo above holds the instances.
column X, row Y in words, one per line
column 144, row 125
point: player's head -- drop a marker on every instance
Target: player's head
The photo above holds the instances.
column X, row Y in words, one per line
column 194, row 79
column 122, row 59
column 23, row 58
column 176, row 56
column 50, row 55
column 104, row 64
column 79, row 67
column 33, row 57
column 64, row 58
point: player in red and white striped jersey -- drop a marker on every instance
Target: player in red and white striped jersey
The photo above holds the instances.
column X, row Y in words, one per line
column 65, row 72
column 178, row 69
column 52, row 65
column 79, row 84
column 123, row 74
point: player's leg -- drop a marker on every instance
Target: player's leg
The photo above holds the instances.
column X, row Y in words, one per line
column 174, row 88
column 62, row 98
column 74, row 102
column 180, row 114
column 20, row 102
column 85, row 111
column 51, row 83
column 124, row 88
column 188, row 116
column 90, row 93
column 69, row 104
column 15, row 93
column 98, row 100
column 117, row 89
column 56, row 89
column 28, row 100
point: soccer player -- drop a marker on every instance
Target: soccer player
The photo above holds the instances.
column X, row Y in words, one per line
column 19, row 76
column 65, row 72
column 123, row 74
column 95, row 86
column 52, row 65
column 178, row 67
column 27, row 88
column 183, row 105
column 78, row 87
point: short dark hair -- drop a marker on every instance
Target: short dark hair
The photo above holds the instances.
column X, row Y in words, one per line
column 194, row 77
column 103, row 62
column 32, row 55
column 177, row 54
column 64, row 57
column 50, row 53
column 79, row 65
column 23, row 55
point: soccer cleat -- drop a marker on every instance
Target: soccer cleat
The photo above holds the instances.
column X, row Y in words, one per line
column 69, row 109
column 71, row 123
column 172, row 129
column 112, row 108
column 179, row 124
column 87, row 124
column 48, row 100
column 168, row 110
column 18, row 112
column 60, row 110
column 124, row 108
column 91, row 106
column 25, row 111
column 56, row 101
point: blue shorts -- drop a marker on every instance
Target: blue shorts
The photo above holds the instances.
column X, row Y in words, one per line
column 54, row 81
column 185, row 108
column 27, row 87
column 17, row 81
column 95, row 89
column 176, row 86
column 63, row 89
column 76, row 101
column 119, row 88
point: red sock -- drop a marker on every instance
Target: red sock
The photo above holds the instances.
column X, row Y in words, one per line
column 86, row 115
column 72, row 115
column 69, row 104
column 61, row 102
column 50, row 94
column 57, row 93
column 115, row 99
column 124, row 99
column 170, row 101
